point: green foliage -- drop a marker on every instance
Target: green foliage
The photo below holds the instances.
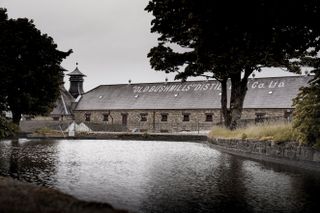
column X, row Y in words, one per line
column 224, row 37
column 29, row 68
column 306, row 121
column 278, row 132
column 7, row 128
column 230, row 39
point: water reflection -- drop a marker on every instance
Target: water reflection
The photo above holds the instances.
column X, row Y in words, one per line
column 230, row 183
column 31, row 161
column 177, row 176
column 146, row 176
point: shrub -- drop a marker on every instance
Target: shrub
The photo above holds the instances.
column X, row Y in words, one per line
column 244, row 136
column 7, row 128
column 306, row 122
column 145, row 135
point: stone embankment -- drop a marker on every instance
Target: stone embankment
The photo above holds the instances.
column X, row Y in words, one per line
column 19, row 197
column 186, row 136
column 290, row 153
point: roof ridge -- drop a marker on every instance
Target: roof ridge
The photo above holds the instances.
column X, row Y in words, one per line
column 195, row 81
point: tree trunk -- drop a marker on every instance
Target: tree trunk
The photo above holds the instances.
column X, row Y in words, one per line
column 236, row 106
column 232, row 114
column 16, row 117
column 224, row 103
column 238, row 93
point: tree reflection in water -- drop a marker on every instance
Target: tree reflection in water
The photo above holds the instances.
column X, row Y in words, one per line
column 186, row 184
column 30, row 161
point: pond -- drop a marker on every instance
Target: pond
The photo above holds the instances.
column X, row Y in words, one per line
column 158, row 176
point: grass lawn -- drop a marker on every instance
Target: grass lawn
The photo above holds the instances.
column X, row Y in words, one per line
column 277, row 132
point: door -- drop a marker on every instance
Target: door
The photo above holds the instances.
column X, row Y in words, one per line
column 124, row 120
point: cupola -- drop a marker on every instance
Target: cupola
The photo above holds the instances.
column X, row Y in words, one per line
column 76, row 82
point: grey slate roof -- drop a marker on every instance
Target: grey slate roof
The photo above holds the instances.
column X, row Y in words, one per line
column 63, row 103
column 275, row 92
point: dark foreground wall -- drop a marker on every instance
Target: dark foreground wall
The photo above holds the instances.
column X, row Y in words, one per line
column 290, row 153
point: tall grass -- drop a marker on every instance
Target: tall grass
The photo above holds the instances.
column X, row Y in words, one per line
column 277, row 132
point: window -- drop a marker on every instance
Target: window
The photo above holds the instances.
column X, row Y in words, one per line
column 105, row 117
column 288, row 114
column 164, row 117
column 260, row 117
column 186, row 117
column 87, row 116
column 209, row 117
column 56, row 118
column 143, row 116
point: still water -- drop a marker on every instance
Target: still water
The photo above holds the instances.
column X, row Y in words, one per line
column 149, row 176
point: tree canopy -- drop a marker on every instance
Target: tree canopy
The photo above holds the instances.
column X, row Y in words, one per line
column 228, row 40
column 29, row 68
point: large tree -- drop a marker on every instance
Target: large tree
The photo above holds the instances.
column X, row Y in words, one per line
column 228, row 40
column 29, row 68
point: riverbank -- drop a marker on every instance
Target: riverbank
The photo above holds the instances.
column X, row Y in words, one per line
column 19, row 197
column 288, row 153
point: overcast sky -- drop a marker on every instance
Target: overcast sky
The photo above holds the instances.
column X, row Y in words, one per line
column 110, row 38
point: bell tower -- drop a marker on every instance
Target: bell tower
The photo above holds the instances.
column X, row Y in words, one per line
column 76, row 82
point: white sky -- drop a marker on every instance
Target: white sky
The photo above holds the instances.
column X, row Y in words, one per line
column 110, row 38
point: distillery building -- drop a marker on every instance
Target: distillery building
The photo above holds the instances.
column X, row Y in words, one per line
column 179, row 106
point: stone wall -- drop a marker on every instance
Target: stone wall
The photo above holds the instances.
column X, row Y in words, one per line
column 268, row 113
column 286, row 152
column 175, row 119
column 198, row 119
